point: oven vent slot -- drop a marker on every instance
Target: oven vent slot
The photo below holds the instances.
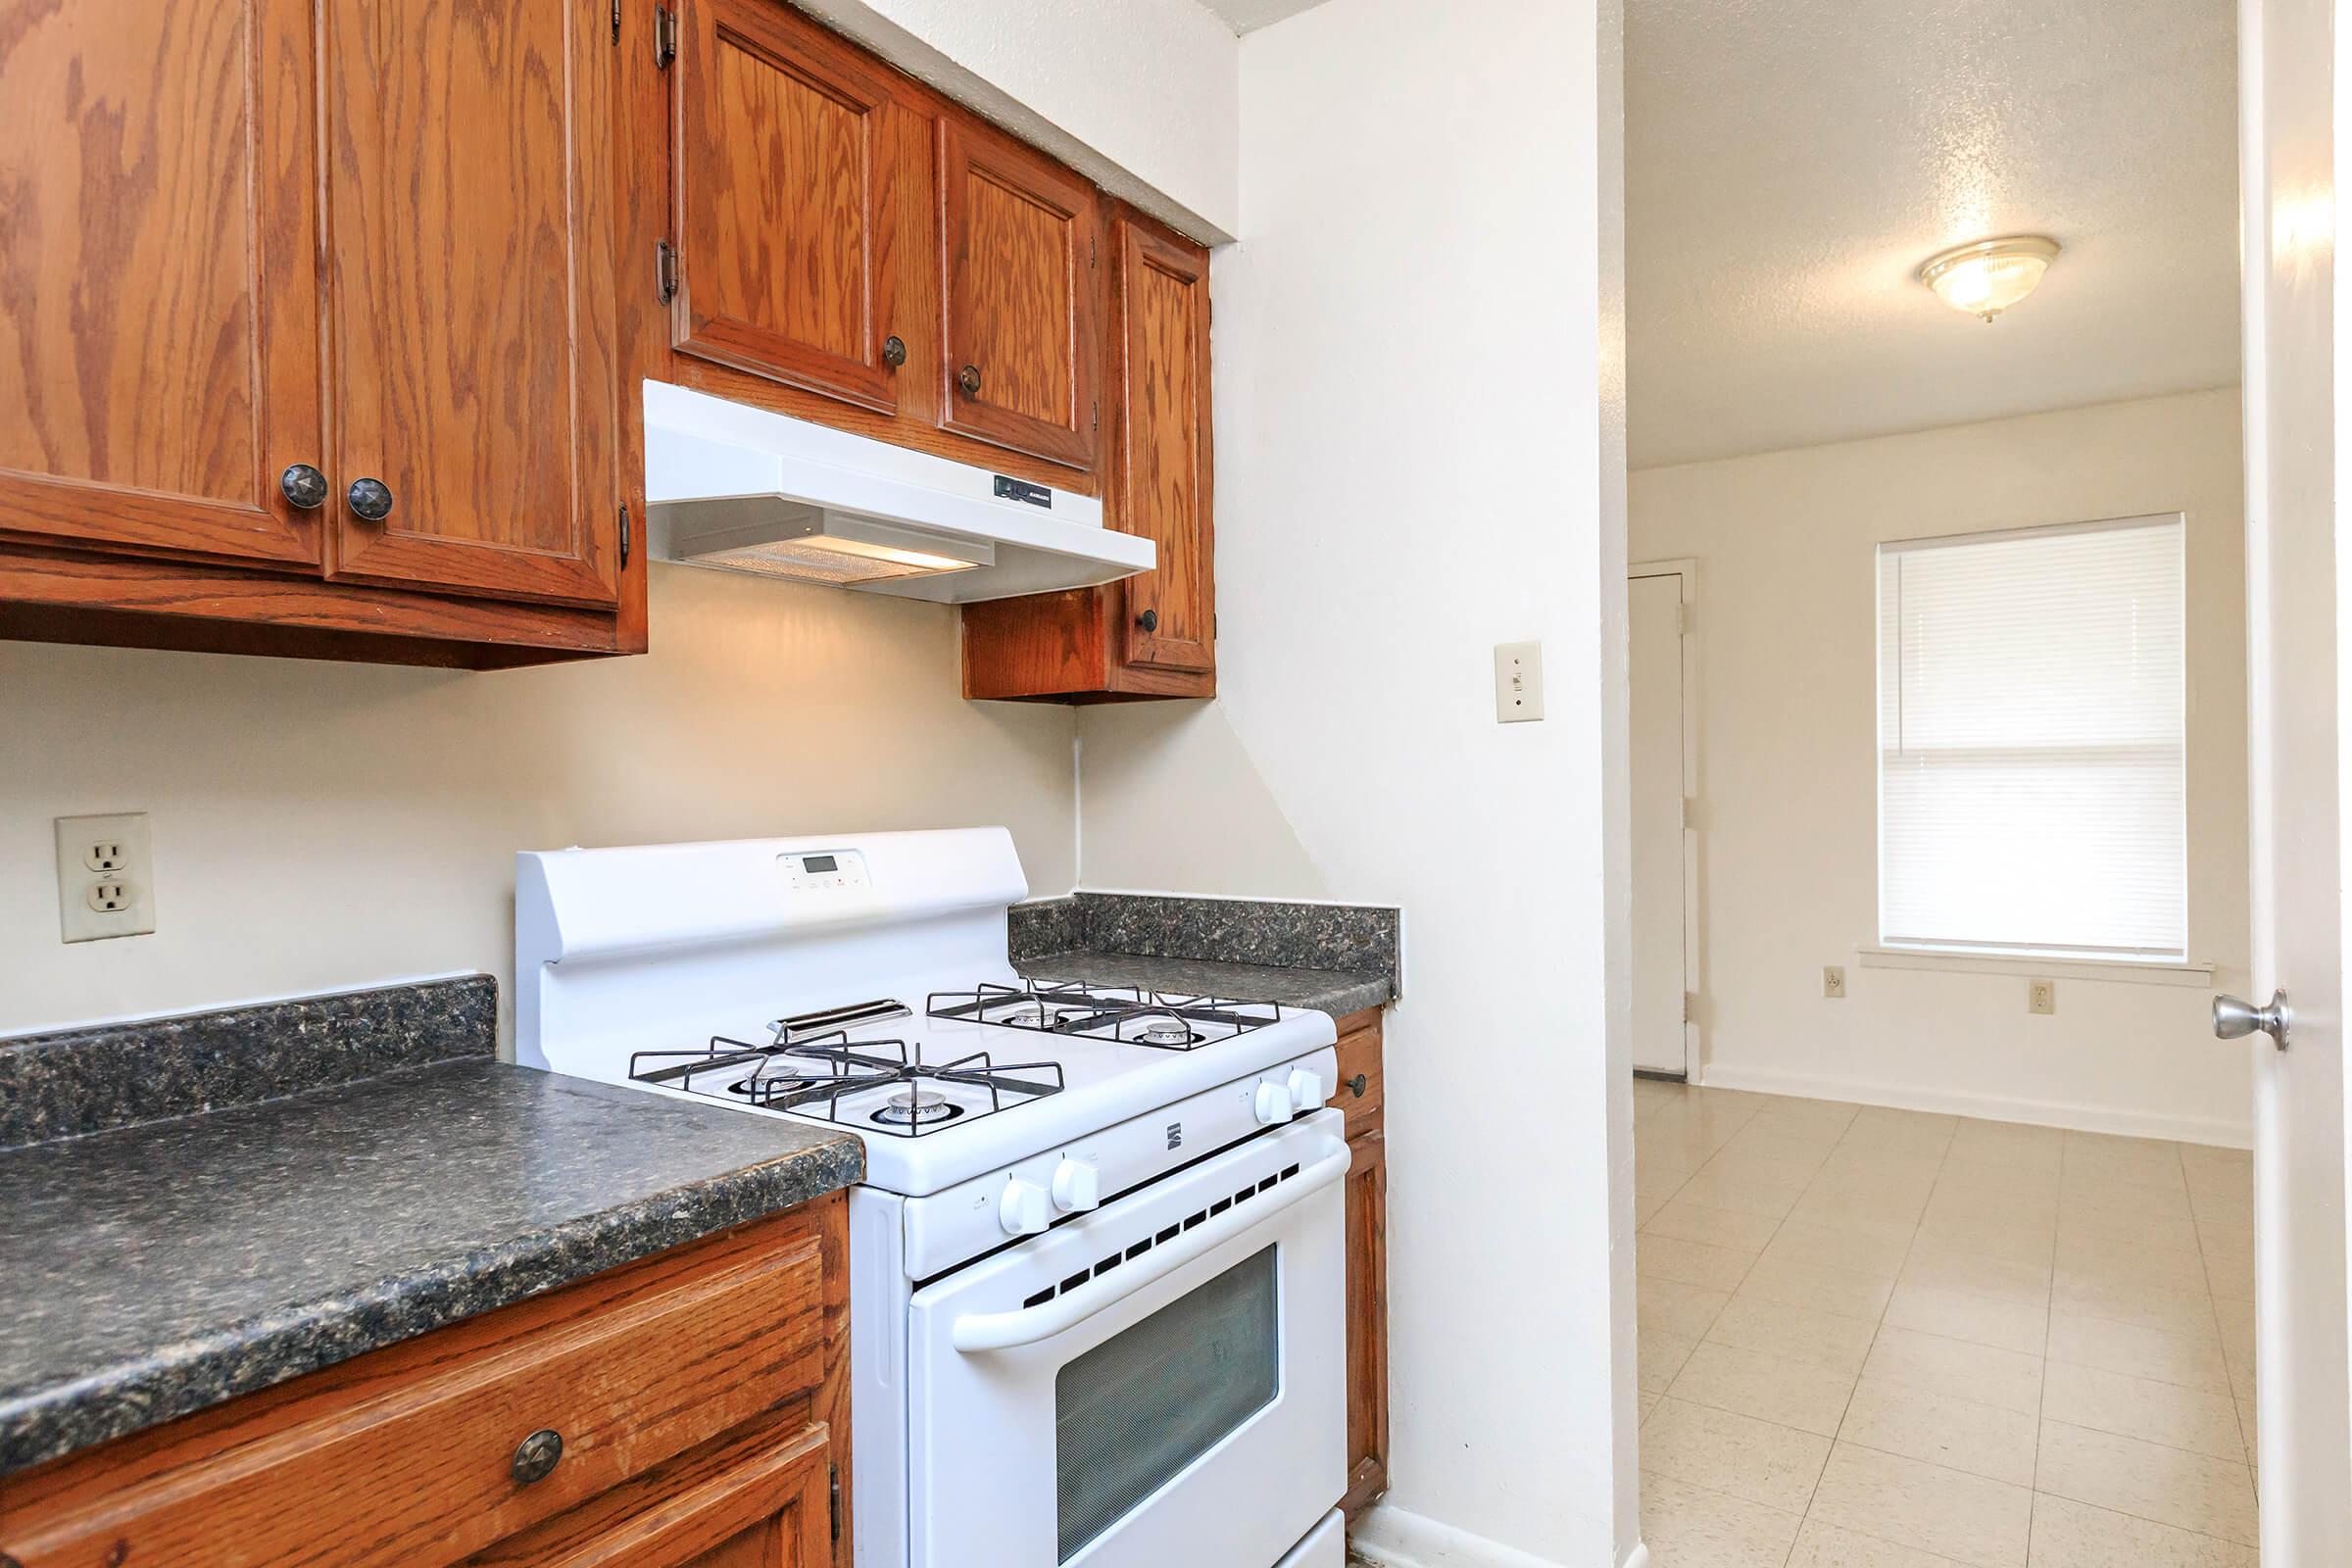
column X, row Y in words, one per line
column 1144, row 1245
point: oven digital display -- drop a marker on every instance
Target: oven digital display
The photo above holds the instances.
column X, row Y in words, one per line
column 814, row 863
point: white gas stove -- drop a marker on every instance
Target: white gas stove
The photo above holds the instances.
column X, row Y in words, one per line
column 1096, row 1262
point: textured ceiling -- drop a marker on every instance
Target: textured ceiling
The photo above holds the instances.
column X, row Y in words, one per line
column 1791, row 163
column 1247, row 16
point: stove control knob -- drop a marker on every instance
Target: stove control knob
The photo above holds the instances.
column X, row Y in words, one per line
column 1077, row 1186
column 1306, row 1090
column 1024, row 1209
column 1271, row 1103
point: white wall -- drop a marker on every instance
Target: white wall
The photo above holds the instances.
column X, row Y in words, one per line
column 1410, row 470
column 1142, row 96
column 321, row 826
column 1785, row 643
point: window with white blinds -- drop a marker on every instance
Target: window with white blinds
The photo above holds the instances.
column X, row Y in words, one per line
column 2031, row 788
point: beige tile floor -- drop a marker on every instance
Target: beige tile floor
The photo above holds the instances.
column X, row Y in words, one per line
column 1881, row 1339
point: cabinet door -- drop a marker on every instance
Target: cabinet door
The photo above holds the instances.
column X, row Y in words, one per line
column 472, row 322
column 784, row 165
column 1367, row 1319
column 1160, row 355
column 159, row 330
column 1019, row 242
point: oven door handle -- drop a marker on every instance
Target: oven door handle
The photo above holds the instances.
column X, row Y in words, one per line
column 1002, row 1331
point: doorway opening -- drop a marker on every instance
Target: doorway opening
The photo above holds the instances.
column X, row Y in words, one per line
column 1944, row 1191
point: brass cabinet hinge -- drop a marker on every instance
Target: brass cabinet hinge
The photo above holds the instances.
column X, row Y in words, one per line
column 666, row 270
column 666, row 37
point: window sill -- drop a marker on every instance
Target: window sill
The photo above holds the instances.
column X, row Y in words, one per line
column 2125, row 970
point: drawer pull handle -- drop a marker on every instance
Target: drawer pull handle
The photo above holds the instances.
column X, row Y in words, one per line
column 894, row 351
column 536, row 1454
column 303, row 486
column 369, row 500
column 1357, row 1084
column 968, row 378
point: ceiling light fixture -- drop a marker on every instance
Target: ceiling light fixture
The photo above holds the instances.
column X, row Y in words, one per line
column 1988, row 277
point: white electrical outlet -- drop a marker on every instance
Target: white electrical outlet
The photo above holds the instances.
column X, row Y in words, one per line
column 1832, row 981
column 2042, row 996
column 105, row 877
column 1518, row 682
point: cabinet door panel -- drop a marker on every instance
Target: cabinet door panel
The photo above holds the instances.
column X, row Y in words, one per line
column 1367, row 1319
column 784, row 169
column 159, row 333
column 1019, row 247
column 470, row 185
column 1162, row 354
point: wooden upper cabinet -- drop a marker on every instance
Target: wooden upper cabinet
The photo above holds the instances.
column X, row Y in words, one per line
column 1163, row 484
column 1020, row 251
column 469, row 301
column 785, row 166
column 159, row 342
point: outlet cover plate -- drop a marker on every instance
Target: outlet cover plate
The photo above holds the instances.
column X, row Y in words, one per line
column 1832, row 981
column 2042, row 996
column 1518, row 682
column 112, row 850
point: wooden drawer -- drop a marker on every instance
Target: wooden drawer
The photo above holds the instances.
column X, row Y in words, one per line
column 1359, row 1064
column 408, row 1455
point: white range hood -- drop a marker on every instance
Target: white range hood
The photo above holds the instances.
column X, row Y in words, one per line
column 741, row 489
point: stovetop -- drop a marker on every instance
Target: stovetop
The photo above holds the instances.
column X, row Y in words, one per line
column 878, row 1067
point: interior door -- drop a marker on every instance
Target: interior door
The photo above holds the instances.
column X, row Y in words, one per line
column 1020, row 247
column 471, row 308
column 1660, row 782
column 784, row 167
column 159, row 282
column 2290, row 121
column 1161, row 350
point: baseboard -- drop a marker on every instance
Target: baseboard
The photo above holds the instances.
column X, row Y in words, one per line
column 1390, row 1537
column 2212, row 1130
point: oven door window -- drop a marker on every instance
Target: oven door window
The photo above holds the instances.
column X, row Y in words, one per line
column 1132, row 1412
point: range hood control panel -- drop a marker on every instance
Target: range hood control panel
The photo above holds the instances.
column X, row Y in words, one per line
column 826, row 871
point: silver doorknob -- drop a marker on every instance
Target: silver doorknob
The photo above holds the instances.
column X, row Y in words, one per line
column 2233, row 1019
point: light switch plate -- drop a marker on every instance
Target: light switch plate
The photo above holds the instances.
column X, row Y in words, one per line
column 105, row 877
column 1518, row 682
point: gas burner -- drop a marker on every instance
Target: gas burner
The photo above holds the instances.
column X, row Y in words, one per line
column 813, row 1078
column 1128, row 1016
column 1162, row 1030
column 915, row 1107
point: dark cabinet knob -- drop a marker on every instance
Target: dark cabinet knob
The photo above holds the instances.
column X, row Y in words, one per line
column 536, row 1454
column 894, row 351
column 1356, row 1085
column 968, row 378
column 304, row 486
column 371, row 500
column 1148, row 620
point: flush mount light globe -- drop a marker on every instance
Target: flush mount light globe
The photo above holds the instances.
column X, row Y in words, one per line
column 1988, row 277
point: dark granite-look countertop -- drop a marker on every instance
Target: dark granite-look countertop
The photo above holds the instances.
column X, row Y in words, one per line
column 1338, row 992
column 154, row 1270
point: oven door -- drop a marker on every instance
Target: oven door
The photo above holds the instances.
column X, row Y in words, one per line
column 1157, row 1382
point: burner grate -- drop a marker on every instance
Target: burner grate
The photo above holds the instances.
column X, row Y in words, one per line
column 812, row 1077
column 1132, row 1016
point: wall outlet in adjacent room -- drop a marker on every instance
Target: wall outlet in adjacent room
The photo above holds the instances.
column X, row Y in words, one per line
column 1832, row 981
column 1518, row 682
column 105, row 877
column 2042, row 996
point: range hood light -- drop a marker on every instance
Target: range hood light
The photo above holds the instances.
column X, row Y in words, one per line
column 778, row 538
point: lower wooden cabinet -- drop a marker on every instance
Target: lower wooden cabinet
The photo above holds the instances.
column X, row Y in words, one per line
column 691, row 1408
column 1367, row 1211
